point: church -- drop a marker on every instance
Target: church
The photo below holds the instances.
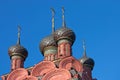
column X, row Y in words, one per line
column 58, row 62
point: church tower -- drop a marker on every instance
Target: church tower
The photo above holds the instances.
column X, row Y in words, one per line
column 17, row 54
column 48, row 46
column 64, row 37
column 87, row 63
column 58, row 62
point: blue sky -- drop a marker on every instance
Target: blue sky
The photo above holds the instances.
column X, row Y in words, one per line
column 96, row 21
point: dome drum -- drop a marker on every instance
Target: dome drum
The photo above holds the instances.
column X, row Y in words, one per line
column 64, row 40
column 50, row 50
column 17, row 55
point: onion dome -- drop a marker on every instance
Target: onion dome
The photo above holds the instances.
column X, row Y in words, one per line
column 89, row 62
column 18, row 50
column 64, row 32
column 47, row 42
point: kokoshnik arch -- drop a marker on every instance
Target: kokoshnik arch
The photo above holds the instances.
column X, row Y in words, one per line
column 58, row 63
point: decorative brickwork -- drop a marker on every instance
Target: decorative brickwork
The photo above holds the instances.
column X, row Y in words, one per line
column 17, row 63
column 17, row 74
column 42, row 68
column 70, row 62
column 57, row 74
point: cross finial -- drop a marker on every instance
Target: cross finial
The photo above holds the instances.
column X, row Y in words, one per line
column 53, row 22
column 84, row 47
column 19, row 30
column 63, row 17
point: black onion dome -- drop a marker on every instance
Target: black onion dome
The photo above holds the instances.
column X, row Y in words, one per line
column 47, row 41
column 18, row 50
column 66, row 33
column 87, row 61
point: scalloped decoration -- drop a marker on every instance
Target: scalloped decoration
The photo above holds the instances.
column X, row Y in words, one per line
column 30, row 78
column 42, row 68
column 17, row 74
column 70, row 62
column 57, row 74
